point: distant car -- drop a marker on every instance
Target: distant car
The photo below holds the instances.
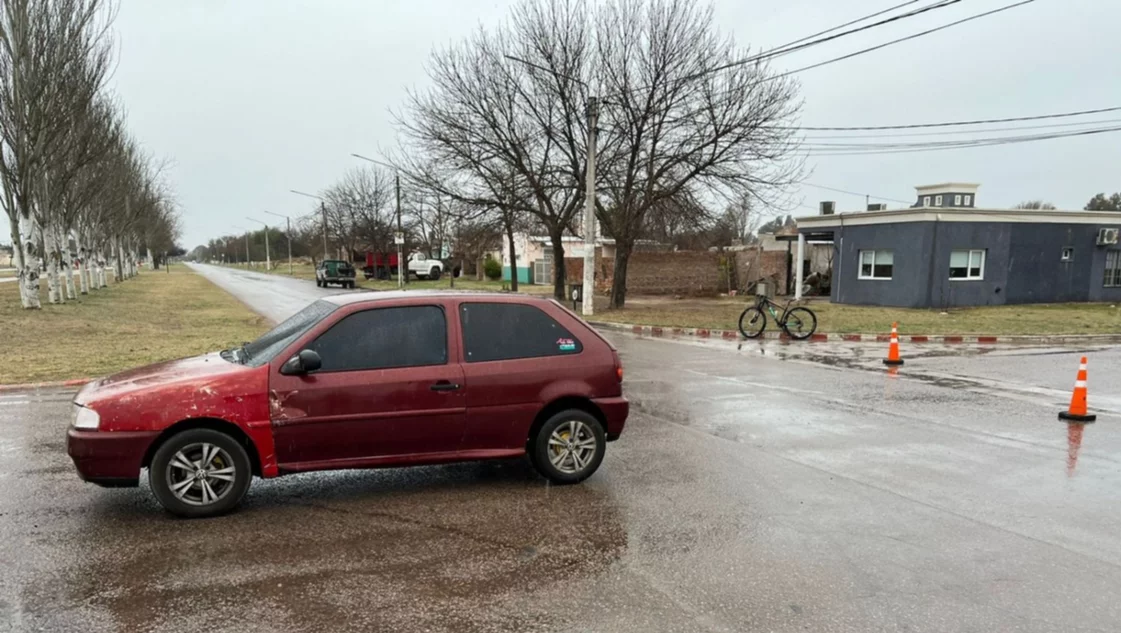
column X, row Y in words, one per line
column 360, row 381
column 334, row 271
column 425, row 268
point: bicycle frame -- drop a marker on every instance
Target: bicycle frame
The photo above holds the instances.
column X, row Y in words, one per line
column 765, row 302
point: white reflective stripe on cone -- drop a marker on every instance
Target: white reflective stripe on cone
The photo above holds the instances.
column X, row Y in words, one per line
column 1080, row 383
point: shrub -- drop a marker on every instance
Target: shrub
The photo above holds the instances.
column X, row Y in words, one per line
column 492, row 268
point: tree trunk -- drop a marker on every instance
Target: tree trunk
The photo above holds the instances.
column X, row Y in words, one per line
column 119, row 257
column 480, row 268
column 619, row 281
column 557, row 238
column 513, row 258
column 152, row 261
column 50, row 245
column 29, row 270
column 67, row 268
column 83, row 263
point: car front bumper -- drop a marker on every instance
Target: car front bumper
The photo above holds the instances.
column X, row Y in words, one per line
column 108, row 458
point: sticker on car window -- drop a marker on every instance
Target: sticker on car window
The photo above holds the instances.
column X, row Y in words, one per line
column 566, row 345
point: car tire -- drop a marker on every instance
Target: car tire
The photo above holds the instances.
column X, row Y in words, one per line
column 434, row 274
column 169, row 479
column 318, row 283
column 572, row 461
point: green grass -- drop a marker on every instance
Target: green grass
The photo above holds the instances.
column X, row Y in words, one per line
column 1039, row 319
column 152, row 317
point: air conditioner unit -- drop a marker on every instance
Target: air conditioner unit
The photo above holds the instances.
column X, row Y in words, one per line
column 1108, row 236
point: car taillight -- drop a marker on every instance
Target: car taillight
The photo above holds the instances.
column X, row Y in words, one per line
column 619, row 372
column 618, row 365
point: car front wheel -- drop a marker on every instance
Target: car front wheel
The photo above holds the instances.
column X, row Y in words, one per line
column 569, row 447
column 200, row 473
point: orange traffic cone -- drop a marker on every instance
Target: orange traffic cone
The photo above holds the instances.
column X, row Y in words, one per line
column 893, row 351
column 1077, row 411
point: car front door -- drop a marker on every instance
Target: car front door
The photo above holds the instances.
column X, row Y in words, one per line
column 390, row 386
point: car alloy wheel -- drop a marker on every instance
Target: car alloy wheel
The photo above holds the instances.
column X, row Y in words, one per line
column 201, row 474
column 572, row 446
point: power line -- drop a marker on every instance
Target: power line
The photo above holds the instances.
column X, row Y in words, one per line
column 797, row 45
column 964, row 144
column 854, row 193
column 952, row 132
column 911, row 126
column 904, row 39
column 791, row 49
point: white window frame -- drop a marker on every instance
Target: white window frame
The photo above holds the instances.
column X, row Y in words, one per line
column 969, row 263
column 968, row 200
column 1112, row 269
column 926, row 201
column 860, row 264
column 957, row 200
column 937, row 201
column 1067, row 254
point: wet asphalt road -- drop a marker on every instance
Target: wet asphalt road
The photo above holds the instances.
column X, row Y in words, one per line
column 758, row 487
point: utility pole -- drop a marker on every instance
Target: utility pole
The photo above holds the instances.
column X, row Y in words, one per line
column 588, row 302
column 288, row 234
column 400, row 237
column 323, row 209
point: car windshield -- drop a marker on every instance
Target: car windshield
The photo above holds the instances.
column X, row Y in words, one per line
column 264, row 349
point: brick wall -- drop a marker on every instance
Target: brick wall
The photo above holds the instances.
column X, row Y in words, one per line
column 660, row 273
column 755, row 265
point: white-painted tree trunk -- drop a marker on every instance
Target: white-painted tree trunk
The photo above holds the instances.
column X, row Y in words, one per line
column 50, row 244
column 151, row 261
column 118, row 258
column 68, row 269
column 29, row 264
column 83, row 263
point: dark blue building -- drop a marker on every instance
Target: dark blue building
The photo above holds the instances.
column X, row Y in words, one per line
column 954, row 254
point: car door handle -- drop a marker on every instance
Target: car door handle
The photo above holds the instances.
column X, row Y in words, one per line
column 444, row 385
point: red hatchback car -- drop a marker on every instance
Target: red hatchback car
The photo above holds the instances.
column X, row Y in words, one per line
column 360, row 381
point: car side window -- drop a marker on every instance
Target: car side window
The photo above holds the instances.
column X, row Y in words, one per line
column 385, row 338
column 504, row 331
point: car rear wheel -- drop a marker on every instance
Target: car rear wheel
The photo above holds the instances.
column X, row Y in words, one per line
column 200, row 473
column 569, row 447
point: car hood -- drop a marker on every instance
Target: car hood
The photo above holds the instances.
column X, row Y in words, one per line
column 198, row 371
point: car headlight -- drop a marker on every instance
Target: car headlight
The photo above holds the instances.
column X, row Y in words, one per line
column 86, row 418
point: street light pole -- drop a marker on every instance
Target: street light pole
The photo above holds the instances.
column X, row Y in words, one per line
column 268, row 256
column 287, row 234
column 588, row 298
column 323, row 209
column 399, row 239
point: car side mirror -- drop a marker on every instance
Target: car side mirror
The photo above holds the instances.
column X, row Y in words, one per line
column 305, row 362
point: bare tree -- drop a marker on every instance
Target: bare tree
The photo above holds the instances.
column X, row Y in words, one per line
column 1035, row 204
column 488, row 118
column 681, row 113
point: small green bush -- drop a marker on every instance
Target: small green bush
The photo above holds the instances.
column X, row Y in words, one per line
column 492, row 268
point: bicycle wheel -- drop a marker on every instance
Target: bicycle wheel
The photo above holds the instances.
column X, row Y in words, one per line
column 800, row 323
column 752, row 322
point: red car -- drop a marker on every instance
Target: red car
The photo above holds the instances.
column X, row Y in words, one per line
column 363, row 380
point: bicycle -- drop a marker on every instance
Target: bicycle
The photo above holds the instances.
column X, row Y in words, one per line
column 799, row 323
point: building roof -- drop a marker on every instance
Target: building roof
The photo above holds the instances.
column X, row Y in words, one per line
column 948, row 187
column 956, row 214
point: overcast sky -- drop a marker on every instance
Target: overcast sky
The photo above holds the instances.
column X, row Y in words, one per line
column 251, row 98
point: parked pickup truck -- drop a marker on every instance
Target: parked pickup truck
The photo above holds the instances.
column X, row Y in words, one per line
column 425, row 268
column 334, row 271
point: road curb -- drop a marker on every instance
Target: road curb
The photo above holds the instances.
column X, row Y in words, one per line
column 666, row 331
column 76, row 382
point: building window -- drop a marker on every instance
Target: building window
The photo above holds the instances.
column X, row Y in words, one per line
column 957, row 200
column 968, row 200
column 876, row 264
column 937, row 201
column 1112, row 269
column 967, row 265
column 1068, row 254
column 926, row 201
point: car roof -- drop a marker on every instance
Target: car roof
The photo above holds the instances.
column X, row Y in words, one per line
column 351, row 298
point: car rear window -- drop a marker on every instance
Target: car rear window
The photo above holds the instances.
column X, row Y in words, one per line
column 505, row 331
